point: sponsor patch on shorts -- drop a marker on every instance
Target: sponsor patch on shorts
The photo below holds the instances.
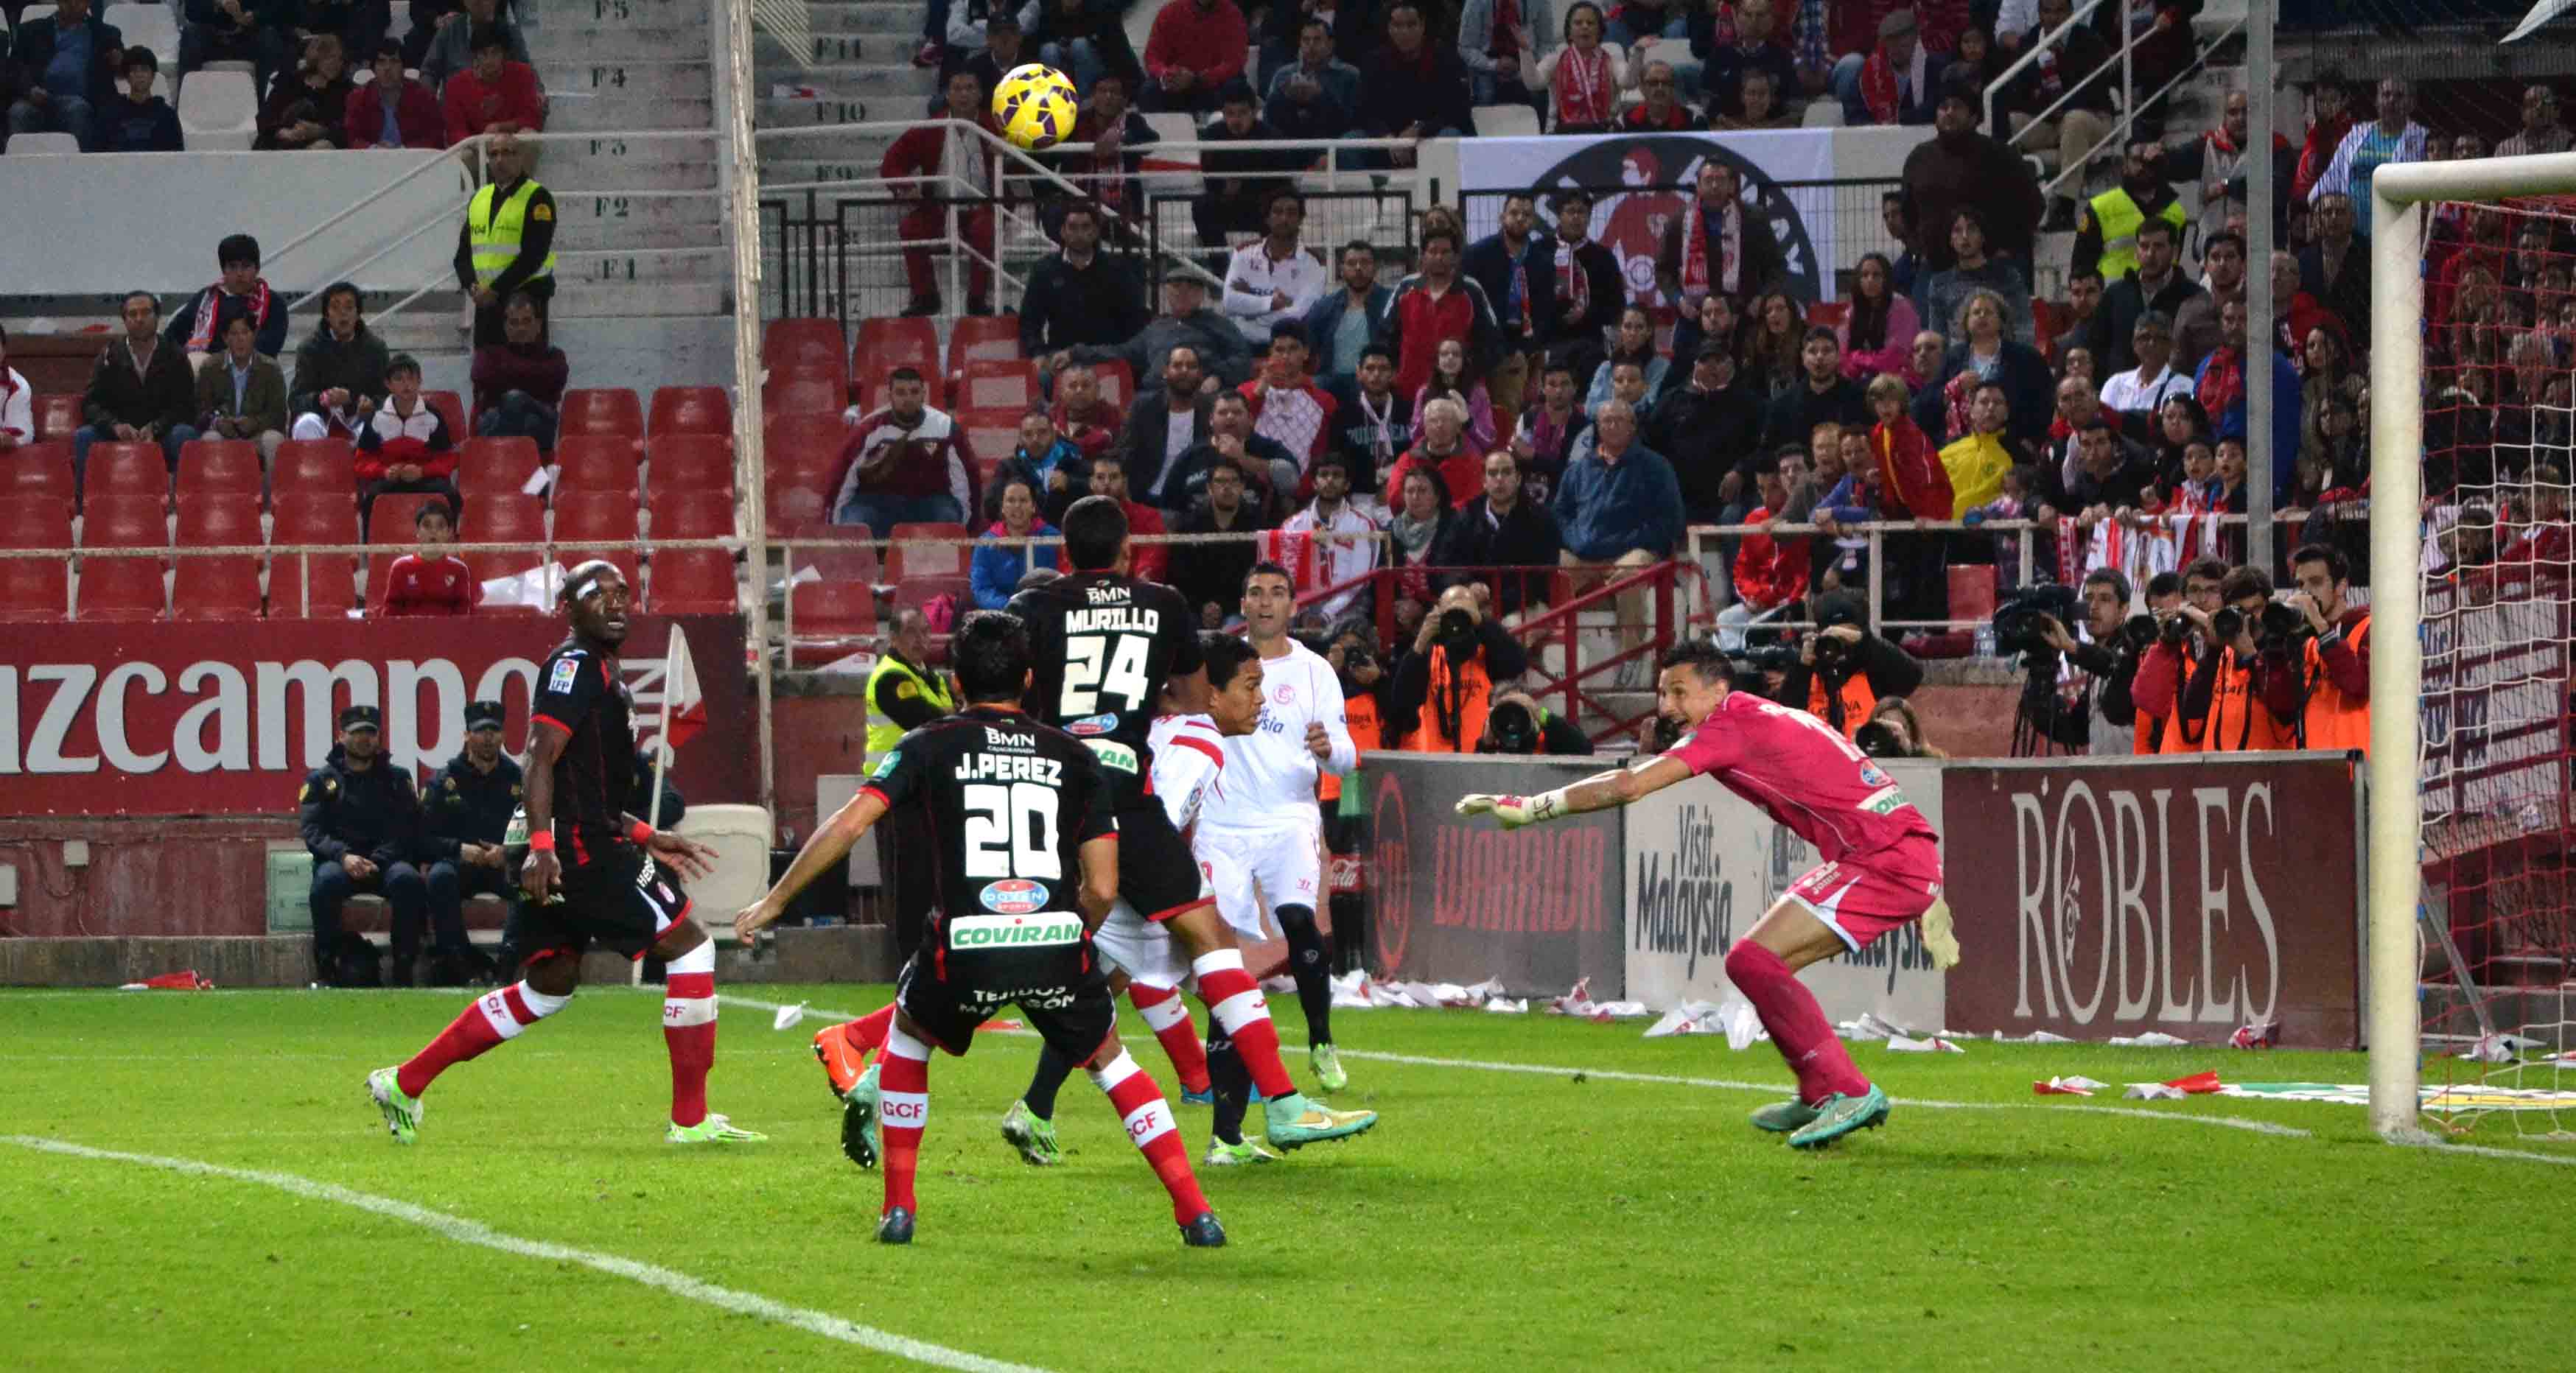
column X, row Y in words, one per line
column 1014, row 896
column 1013, row 931
column 1114, row 755
column 1091, row 725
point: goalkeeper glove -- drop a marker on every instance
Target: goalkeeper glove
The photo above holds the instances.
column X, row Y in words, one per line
column 1516, row 811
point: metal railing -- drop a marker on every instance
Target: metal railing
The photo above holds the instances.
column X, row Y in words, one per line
column 2130, row 105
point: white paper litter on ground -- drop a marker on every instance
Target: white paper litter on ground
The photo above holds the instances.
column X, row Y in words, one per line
column 2501, row 1048
column 788, row 1017
column 2154, row 1091
column 2034, row 1037
column 1933, row 1044
column 2152, row 1039
column 1504, row 1005
column 1689, row 1018
column 1743, row 1025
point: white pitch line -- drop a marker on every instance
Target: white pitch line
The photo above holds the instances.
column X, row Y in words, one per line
column 464, row 1231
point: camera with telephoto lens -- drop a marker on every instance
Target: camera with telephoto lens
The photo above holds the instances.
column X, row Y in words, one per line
column 1832, row 652
column 2021, row 622
column 1457, row 631
column 1878, row 741
column 1773, row 658
column 1510, row 728
column 1355, row 658
column 2227, row 624
column 2139, row 632
column 2173, row 631
column 2280, row 630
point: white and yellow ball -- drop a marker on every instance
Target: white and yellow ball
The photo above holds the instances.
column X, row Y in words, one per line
column 1035, row 106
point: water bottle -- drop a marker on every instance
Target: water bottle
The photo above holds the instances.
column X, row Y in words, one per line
column 1985, row 641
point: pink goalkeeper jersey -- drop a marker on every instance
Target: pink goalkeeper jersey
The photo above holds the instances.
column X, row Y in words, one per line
column 1805, row 774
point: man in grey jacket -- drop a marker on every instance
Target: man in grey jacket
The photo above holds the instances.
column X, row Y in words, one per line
column 1492, row 55
column 1225, row 356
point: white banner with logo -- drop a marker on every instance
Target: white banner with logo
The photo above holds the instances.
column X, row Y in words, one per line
column 1703, row 864
column 1785, row 175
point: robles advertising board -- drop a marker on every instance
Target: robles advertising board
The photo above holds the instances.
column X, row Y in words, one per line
column 1461, row 900
column 2188, row 896
column 225, row 719
column 1703, row 864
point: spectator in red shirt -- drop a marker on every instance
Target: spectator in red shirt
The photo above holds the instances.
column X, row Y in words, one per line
column 1081, row 415
column 519, row 382
column 1433, row 305
column 404, row 446
column 1194, row 49
column 495, row 95
column 395, row 111
column 1769, row 573
column 431, row 580
column 904, row 464
column 1150, row 561
column 935, row 150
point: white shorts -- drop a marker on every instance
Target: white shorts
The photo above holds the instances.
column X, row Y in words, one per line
column 1287, row 863
column 1146, row 952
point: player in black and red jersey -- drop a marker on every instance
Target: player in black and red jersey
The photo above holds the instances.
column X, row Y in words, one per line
column 1102, row 646
column 594, row 874
column 1025, row 857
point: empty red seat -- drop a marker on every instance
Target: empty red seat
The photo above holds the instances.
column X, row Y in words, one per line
column 219, row 467
column 58, row 415
column 991, row 435
column 122, row 588
column 314, row 585
column 832, row 609
column 451, row 408
column 127, row 469
column 585, row 516
column 802, row 394
column 1117, row 381
column 222, row 586
column 595, row 463
column 791, row 505
column 505, row 517
column 695, row 581
column 38, row 469
column 497, row 466
column 326, row 465
column 219, row 519
column 690, row 410
column 785, row 438
column 808, row 345
column 612, row 410
column 902, row 342
column 691, row 514
column 998, row 384
column 690, row 462
column 35, row 588
column 836, row 552
column 978, row 337
column 911, row 559
column 395, row 515
column 123, row 519
column 914, row 592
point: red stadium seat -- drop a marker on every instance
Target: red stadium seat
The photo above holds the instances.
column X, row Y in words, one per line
column 999, row 384
column 209, row 467
column 911, row 560
column 887, row 343
column 827, row 611
column 451, row 408
column 583, row 516
column 873, row 379
column 35, row 588
column 1117, row 382
column 612, row 411
column 804, row 394
column 912, row 592
column 595, row 463
column 505, row 518
column 58, row 416
column 224, row 587
column 313, row 517
column 836, row 552
column 992, row 435
column 695, row 581
column 978, row 337
column 689, row 462
column 806, row 345
column 122, row 588
column 691, row 514
column 127, row 469
column 499, row 467
column 1828, row 314
column 39, row 469
column 691, row 410
column 326, row 465
column 787, row 438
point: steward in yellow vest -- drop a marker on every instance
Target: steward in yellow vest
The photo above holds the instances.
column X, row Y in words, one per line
column 506, row 245
column 2107, row 239
column 902, row 696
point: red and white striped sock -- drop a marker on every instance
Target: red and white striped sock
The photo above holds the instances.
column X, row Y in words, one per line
column 903, row 1112
column 492, row 1018
column 1148, row 1118
column 689, row 1029
column 870, row 1030
column 1169, row 1018
column 1234, row 999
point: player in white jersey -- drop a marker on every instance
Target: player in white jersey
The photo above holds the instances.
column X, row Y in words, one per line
column 1264, row 829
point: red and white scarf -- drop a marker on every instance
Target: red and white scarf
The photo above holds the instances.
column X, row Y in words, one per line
column 210, row 308
column 2224, row 383
column 1582, row 85
column 1730, row 271
column 1573, row 284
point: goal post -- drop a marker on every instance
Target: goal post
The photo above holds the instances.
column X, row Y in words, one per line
column 2403, row 197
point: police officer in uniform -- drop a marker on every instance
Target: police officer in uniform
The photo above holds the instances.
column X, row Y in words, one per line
column 506, row 245
column 469, row 806
column 905, row 693
column 362, row 824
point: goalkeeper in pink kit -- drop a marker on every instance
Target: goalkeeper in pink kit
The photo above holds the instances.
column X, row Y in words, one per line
column 1881, row 868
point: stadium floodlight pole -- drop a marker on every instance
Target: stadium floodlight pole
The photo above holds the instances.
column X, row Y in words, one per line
column 2401, row 195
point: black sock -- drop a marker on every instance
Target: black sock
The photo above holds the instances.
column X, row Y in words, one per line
column 1232, row 1084
column 1311, row 965
column 1053, row 1068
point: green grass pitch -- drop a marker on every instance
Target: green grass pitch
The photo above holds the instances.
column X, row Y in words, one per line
column 1560, row 1218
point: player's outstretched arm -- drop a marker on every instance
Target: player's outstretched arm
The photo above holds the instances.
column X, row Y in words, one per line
column 1601, row 791
column 827, row 846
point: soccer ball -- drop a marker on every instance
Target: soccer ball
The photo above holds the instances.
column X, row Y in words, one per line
column 1034, row 106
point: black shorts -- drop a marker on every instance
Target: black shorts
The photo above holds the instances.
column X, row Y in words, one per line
column 1066, row 1001
column 1157, row 874
column 620, row 900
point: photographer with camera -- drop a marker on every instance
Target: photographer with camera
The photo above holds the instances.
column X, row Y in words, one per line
column 2182, row 639
column 1444, row 688
column 2221, row 708
column 2327, row 696
column 2093, row 691
column 1842, row 670
column 1893, row 732
column 1519, row 724
column 1352, row 650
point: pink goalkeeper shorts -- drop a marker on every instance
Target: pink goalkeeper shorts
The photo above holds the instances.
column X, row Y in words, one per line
column 1862, row 898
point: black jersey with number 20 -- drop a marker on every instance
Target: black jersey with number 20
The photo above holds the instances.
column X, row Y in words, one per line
column 1102, row 645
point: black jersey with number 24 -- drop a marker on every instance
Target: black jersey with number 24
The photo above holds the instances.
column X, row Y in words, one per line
column 1102, row 645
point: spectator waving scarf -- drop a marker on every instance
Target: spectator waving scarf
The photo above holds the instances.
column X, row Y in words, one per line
column 1695, row 251
column 1583, row 87
column 2222, row 381
column 210, row 304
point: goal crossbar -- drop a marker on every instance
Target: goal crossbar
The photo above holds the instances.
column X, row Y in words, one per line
column 2401, row 197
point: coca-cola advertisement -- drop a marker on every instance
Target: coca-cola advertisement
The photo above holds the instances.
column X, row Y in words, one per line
column 2188, row 897
column 226, row 719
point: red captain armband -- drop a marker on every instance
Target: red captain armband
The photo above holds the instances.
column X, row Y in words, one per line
column 541, row 841
column 640, row 833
